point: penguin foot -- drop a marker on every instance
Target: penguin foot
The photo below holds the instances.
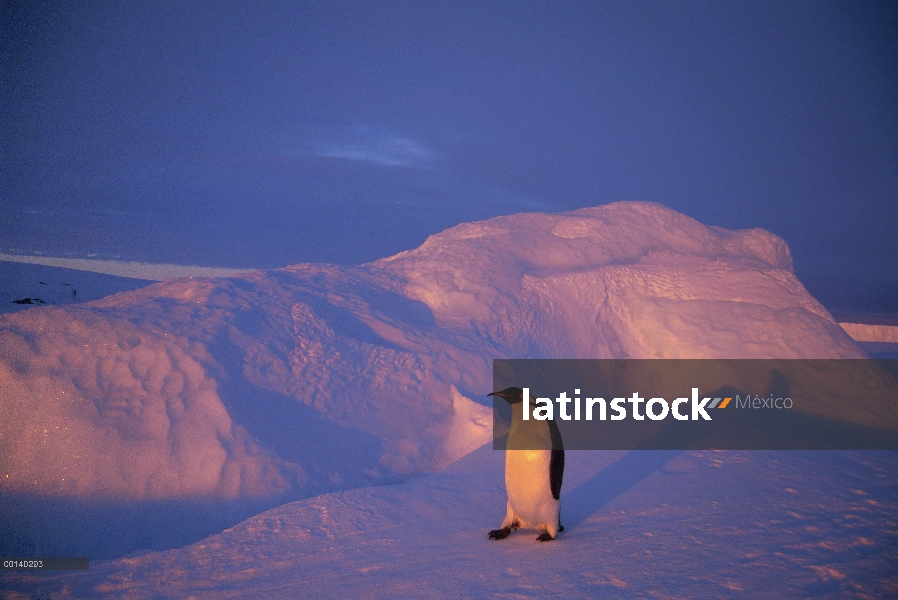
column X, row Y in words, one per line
column 499, row 534
column 560, row 527
column 545, row 537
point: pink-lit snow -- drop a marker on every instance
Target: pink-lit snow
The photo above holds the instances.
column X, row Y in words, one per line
column 215, row 399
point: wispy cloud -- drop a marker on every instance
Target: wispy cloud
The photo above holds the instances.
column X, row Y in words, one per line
column 379, row 147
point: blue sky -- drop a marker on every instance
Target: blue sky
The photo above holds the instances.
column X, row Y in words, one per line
column 266, row 134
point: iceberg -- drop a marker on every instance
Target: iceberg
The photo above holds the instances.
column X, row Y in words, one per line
column 284, row 384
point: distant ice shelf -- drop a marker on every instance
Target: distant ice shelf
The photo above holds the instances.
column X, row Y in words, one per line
column 132, row 269
column 864, row 332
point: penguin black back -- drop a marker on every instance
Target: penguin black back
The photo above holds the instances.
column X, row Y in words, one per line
column 556, row 463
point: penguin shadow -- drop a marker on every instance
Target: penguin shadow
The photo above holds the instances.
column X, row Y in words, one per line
column 611, row 482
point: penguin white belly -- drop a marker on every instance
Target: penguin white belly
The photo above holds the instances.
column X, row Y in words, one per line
column 529, row 490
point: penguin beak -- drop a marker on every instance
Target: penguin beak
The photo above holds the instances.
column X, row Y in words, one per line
column 508, row 395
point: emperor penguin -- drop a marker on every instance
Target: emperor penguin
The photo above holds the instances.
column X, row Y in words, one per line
column 532, row 477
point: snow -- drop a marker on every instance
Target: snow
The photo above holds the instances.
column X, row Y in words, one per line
column 187, row 406
column 56, row 286
column 638, row 524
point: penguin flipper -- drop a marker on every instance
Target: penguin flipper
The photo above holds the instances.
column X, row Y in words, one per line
column 556, row 472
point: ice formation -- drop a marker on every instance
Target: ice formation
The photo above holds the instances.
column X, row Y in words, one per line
column 320, row 377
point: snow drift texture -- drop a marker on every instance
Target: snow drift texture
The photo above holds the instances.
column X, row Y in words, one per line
column 317, row 377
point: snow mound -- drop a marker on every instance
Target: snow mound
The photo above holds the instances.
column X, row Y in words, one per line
column 313, row 378
column 624, row 280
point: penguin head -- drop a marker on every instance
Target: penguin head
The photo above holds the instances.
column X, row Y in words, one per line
column 511, row 395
